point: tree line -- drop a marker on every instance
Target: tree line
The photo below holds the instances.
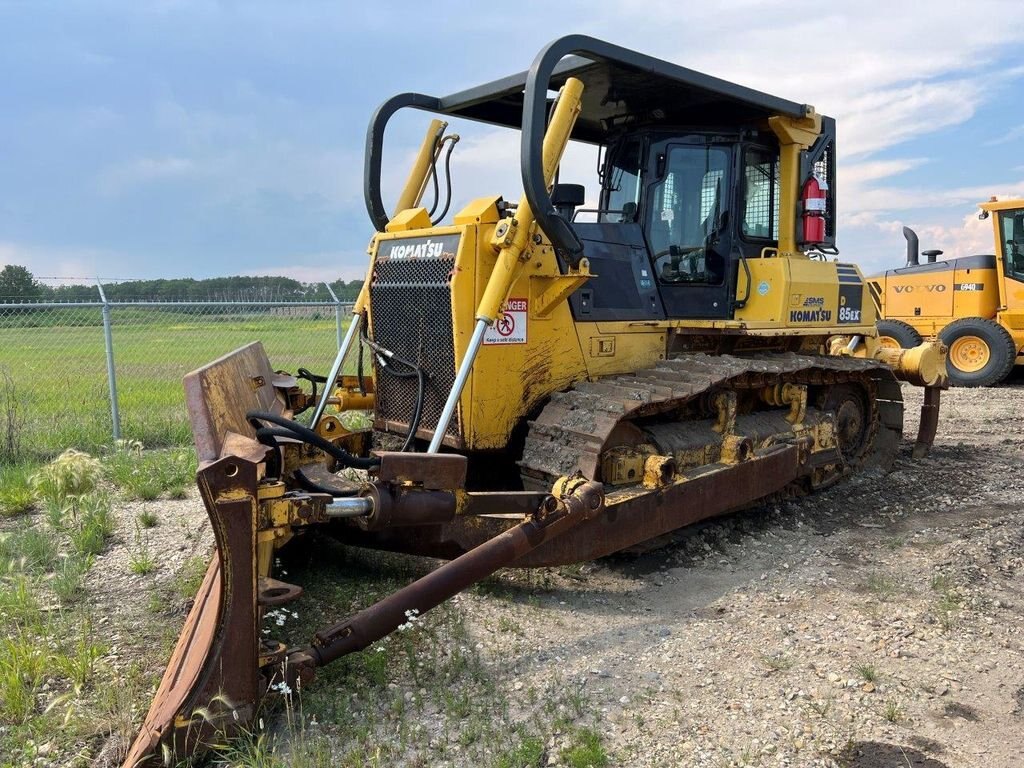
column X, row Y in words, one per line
column 18, row 284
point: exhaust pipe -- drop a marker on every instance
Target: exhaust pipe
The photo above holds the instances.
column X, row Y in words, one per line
column 912, row 245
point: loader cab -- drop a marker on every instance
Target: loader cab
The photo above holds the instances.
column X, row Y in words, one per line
column 699, row 202
column 1011, row 236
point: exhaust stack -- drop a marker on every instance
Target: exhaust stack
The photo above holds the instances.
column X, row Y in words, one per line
column 912, row 246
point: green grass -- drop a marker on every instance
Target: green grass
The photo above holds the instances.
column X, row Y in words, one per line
column 16, row 494
column 148, row 475
column 585, row 751
column 59, row 372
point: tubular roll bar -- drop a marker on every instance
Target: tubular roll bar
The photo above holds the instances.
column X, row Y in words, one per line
column 535, row 104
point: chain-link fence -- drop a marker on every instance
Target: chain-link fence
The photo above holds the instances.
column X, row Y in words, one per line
column 82, row 375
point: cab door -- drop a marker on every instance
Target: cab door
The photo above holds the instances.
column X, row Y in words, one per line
column 686, row 225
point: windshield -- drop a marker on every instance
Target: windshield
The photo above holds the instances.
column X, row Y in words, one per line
column 688, row 201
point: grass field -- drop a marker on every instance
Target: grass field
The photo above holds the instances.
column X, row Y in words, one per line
column 53, row 378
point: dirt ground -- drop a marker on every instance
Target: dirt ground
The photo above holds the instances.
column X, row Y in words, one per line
column 876, row 624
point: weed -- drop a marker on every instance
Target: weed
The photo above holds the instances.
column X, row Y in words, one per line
column 22, row 663
column 18, row 603
column 948, row 604
column 72, row 474
column 506, row 624
column 867, row 672
column 67, row 578
column 16, row 495
column 528, row 753
column 941, row 583
column 140, row 559
column 586, row 750
column 145, row 476
column 79, row 664
column 777, row 662
column 886, row 587
column 12, row 408
column 187, row 581
column 30, row 548
column 892, row 711
column 94, row 525
column 148, row 519
column 821, row 707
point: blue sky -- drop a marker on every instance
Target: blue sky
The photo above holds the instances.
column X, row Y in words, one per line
column 183, row 138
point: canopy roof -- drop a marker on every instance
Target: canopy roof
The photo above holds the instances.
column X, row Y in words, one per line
column 633, row 89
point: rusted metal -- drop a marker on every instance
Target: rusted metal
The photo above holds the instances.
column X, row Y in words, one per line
column 502, row 549
column 433, row 471
column 630, row 516
column 212, row 682
column 219, row 394
column 272, row 592
column 929, row 422
column 396, row 506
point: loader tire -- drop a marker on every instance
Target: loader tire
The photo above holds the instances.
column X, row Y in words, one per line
column 895, row 334
column 981, row 352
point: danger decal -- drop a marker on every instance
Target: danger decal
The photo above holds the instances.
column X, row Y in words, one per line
column 509, row 326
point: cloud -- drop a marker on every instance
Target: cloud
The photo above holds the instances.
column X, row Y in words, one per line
column 317, row 268
column 56, row 266
column 123, row 177
column 1011, row 135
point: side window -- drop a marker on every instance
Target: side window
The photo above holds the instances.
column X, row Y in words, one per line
column 1012, row 228
column 761, row 194
column 622, row 183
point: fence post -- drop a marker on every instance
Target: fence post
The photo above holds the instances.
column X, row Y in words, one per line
column 108, row 340
column 337, row 312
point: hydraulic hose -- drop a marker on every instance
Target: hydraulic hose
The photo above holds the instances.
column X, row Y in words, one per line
column 385, row 356
column 305, row 434
column 447, row 181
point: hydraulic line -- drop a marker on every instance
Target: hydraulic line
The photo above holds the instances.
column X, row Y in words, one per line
column 454, row 139
column 297, row 431
column 384, row 357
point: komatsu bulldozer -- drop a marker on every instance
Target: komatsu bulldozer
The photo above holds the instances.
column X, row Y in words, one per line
column 972, row 304
column 551, row 382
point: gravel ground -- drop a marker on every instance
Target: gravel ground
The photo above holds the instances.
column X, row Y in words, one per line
column 876, row 624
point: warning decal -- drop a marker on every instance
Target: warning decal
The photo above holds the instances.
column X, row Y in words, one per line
column 510, row 325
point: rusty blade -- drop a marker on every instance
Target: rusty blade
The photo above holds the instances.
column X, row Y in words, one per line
column 213, row 682
column 182, row 671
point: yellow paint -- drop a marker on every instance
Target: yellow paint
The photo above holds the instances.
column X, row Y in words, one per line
column 969, row 353
column 795, row 135
column 929, row 301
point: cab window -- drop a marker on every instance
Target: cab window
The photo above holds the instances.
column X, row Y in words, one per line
column 622, row 183
column 760, row 194
column 686, row 206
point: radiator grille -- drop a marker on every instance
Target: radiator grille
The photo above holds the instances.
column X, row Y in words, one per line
column 410, row 302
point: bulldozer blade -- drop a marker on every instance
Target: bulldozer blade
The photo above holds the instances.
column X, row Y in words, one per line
column 213, row 683
column 929, row 422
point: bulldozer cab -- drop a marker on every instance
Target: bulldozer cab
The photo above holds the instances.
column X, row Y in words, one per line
column 696, row 175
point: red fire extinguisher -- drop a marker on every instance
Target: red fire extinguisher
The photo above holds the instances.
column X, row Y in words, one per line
column 814, row 197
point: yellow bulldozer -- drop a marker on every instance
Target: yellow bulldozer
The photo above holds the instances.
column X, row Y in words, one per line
column 549, row 383
column 972, row 304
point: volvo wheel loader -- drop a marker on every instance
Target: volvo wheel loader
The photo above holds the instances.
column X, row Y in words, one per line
column 972, row 304
column 549, row 383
